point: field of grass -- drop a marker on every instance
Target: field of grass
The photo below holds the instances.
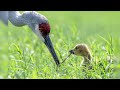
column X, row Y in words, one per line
column 24, row 56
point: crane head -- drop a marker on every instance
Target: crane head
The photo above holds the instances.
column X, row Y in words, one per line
column 44, row 29
column 41, row 27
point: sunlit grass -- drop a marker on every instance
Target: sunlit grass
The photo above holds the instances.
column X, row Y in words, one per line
column 29, row 57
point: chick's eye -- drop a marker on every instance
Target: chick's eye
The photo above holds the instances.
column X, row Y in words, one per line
column 76, row 48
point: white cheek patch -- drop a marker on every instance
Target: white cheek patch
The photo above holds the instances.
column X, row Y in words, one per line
column 38, row 32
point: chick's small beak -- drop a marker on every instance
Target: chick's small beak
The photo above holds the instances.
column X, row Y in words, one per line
column 71, row 51
column 49, row 45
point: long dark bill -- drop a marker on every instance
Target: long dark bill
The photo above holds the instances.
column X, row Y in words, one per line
column 49, row 45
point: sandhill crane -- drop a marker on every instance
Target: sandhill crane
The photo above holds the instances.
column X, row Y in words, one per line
column 37, row 22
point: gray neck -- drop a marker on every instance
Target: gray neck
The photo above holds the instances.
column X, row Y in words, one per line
column 15, row 18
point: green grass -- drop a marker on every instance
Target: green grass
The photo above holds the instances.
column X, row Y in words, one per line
column 26, row 56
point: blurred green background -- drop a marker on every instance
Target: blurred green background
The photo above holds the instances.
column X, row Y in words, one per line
column 68, row 28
